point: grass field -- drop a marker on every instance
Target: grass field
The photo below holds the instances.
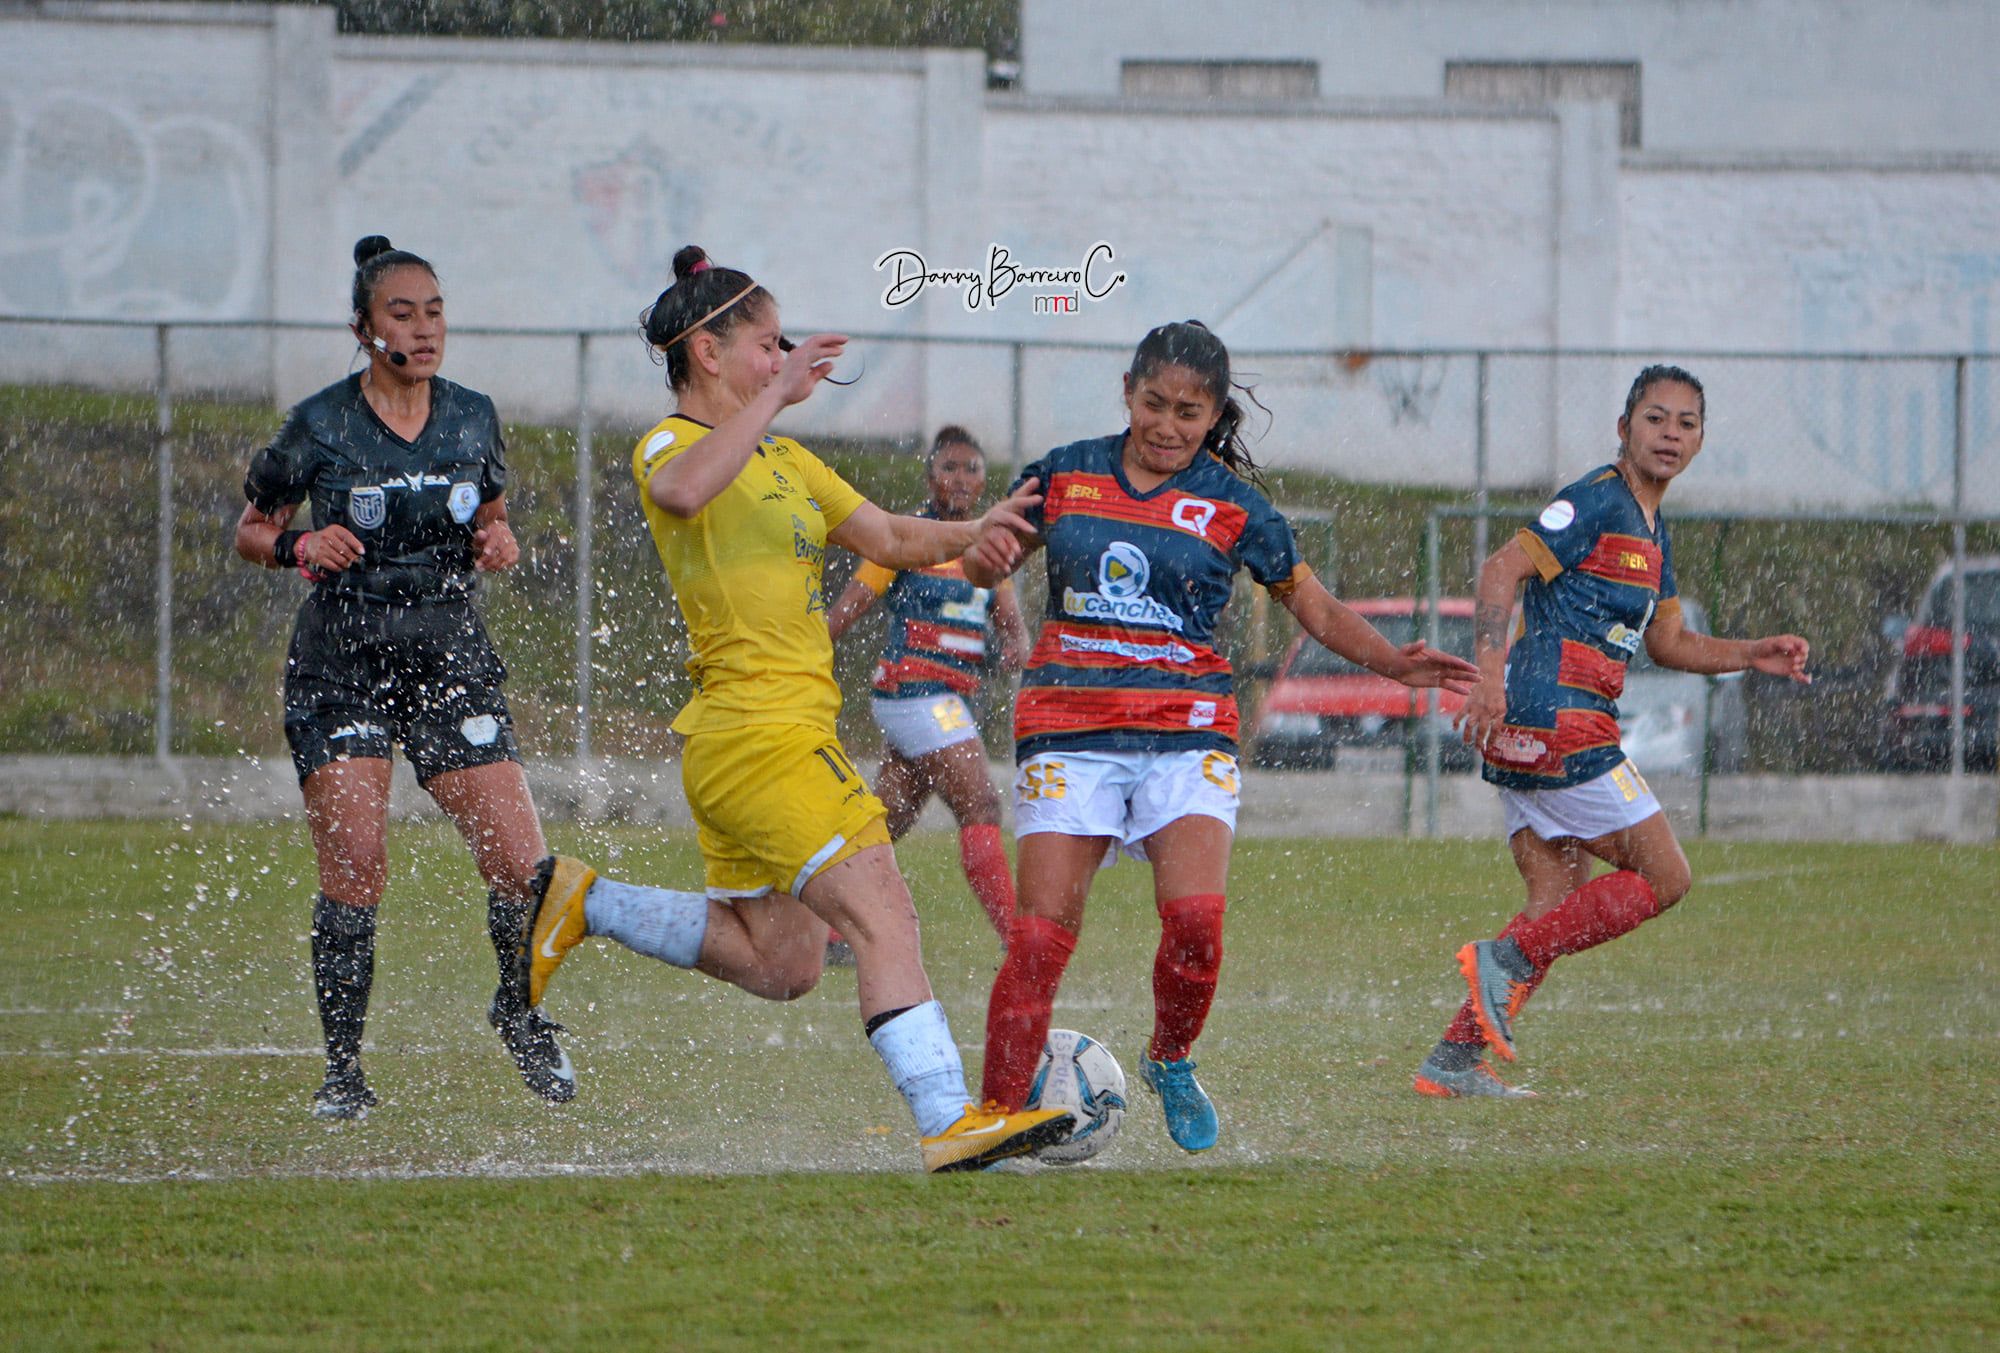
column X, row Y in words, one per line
column 1771, row 1119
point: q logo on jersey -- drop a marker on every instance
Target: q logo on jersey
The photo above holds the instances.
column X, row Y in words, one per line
column 464, row 502
column 1194, row 514
column 367, row 506
column 1122, row 571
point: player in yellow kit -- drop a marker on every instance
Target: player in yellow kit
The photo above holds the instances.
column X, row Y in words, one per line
column 791, row 836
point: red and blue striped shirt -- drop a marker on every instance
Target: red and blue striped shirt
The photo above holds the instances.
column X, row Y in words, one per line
column 1125, row 659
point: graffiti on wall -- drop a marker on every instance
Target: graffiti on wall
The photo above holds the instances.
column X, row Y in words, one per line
column 108, row 211
column 626, row 205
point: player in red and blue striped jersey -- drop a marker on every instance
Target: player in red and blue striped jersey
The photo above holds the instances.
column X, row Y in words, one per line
column 1125, row 729
column 940, row 628
column 1599, row 568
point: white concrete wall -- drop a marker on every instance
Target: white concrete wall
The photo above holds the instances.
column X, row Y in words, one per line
column 1209, row 210
column 1845, row 76
column 1817, row 258
column 552, row 182
column 218, row 161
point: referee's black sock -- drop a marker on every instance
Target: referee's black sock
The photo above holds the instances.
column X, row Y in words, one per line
column 505, row 918
column 343, row 960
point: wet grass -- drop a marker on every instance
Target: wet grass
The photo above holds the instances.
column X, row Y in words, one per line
column 1767, row 1120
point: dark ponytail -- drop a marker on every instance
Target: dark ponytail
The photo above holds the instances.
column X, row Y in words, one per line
column 1190, row 344
column 374, row 257
column 702, row 296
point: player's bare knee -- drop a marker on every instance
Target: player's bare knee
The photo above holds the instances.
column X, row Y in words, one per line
column 355, row 876
column 788, row 977
column 1670, row 884
column 977, row 809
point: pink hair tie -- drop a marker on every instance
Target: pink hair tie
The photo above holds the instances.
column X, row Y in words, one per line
column 702, row 266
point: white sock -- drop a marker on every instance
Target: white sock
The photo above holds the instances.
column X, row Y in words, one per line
column 922, row 1059
column 657, row 922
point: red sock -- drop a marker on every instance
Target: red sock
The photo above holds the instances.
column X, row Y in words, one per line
column 985, row 862
column 1184, row 972
column 1465, row 1025
column 1017, row 1016
column 1601, row 910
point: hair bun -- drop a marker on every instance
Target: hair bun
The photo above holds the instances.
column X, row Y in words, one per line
column 368, row 246
column 688, row 260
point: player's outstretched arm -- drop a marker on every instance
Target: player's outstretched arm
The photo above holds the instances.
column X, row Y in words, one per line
column 1670, row 643
column 915, row 542
column 1322, row 616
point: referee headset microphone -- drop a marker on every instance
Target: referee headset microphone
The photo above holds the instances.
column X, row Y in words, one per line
column 374, row 256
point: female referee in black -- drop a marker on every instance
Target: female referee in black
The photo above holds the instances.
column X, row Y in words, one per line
column 407, row 477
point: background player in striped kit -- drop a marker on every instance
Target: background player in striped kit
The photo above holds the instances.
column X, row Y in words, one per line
column 939, row 628
column 1600, row 572
column 1126, row 722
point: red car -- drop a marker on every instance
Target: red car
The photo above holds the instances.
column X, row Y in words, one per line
column 1319, row 703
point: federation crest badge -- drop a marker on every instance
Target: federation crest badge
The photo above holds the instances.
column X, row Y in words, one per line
column 367, row 506
column 464, row 502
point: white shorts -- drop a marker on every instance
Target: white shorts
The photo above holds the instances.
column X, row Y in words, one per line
column 1612, row 802
column 1126, row 796
column 920, row 725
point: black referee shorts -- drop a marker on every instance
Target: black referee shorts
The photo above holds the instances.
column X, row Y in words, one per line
column 363, row 676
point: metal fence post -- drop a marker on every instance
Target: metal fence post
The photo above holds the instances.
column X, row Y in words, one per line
column 1704, row 763
column 163, row 559
column 1955, row 787
column 1479, row 464
column 1018, row 350
column 1425, row 699
column 585, row 495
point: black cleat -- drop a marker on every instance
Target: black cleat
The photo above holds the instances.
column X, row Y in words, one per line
column 345, row 1095
column 530, row 1037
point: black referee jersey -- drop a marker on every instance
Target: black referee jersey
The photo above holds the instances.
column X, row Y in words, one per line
column 410, row 503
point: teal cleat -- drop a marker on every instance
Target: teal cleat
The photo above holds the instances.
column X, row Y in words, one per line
column 1191, row 1118
column 1497, row 976
column 1476, row 1081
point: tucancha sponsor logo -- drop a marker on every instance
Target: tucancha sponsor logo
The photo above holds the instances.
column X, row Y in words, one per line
column 1122, row 574
column 1127, row 610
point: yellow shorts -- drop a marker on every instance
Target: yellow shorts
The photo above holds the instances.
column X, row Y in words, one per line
column 775, row 804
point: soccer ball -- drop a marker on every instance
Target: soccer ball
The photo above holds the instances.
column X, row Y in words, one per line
column 1081, row 1075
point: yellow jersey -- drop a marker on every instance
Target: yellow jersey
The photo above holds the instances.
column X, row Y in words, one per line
column 746, row 572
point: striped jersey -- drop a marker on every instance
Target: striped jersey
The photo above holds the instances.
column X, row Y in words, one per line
column 939, row 627
column 1602, row 575
column 1125, row 658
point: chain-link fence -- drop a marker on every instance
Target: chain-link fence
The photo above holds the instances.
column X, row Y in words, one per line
column 1830, row 492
